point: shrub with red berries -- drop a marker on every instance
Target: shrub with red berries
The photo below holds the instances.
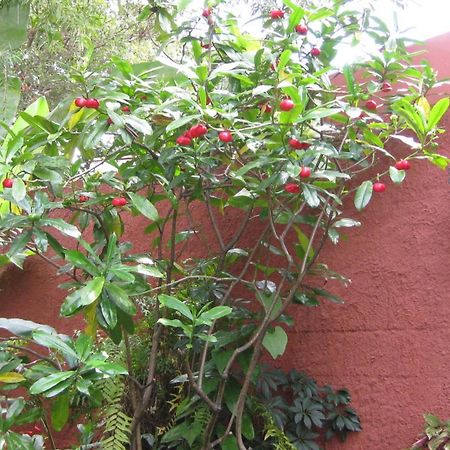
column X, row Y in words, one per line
column 184, row 204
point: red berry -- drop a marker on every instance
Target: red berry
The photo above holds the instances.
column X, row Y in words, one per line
column 126, row 108
column 83, row 198
column 276, row 14
column 305, row 172
column 225, row 136
column 8, row 183
column 198, row 131
column 286, row 104
column 403, row 164
column 379, row 187
column 371, row 105
column 119, row 201
column 301, row 29
column 386, row 87
column 265, row 108
column 295, row 143
column 36, row 430
column 109, row 121
column 292, row 188
column 92, row 103
column 183, row 140
column 315, row 51
column 207, row 12
column 80, row 102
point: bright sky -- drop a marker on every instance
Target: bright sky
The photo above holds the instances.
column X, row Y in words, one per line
column 425, row 18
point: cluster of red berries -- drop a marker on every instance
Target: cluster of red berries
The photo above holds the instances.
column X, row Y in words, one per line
column 403, row 164
column 294, row 188
column 196, row 131
column 91, row 103
column 200, row 130
column 116, row 201
column 277, row 14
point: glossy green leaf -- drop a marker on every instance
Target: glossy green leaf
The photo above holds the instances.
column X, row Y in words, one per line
column 120, row 298
column 215, row 313
column 437, row 112
column 173, row 303
column 55, row 343
column 62, row 226
column 106, row 367
column 144, row 206
column 83, row 297
column 45, row 384
column 363, row 195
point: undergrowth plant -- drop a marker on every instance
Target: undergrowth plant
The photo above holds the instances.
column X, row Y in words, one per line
column 184, row 202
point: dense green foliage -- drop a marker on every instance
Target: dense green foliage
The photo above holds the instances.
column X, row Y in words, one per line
column 221, row 127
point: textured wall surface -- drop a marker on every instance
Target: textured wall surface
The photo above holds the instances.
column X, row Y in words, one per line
column 389, row 344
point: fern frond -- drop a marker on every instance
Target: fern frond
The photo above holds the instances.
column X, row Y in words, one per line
column 116, row 432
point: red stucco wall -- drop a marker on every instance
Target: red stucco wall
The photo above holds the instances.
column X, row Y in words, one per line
column 389, row 344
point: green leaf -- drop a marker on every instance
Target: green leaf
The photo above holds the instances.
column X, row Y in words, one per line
column 275, row 342
column 60, row 411
column 181, row 121
column 62, row 226
column 310, row 195
column 120, row 298
column 138, row 124
column 363, row 195
column 247, row 427
column 19, row 190
column 79, row 260
column 47, row 383
column 149, row 271
column 54, row 342
column 230, row 443
column 214, row 314
column 83, row 346
column 11, row 378
column 173, row 303
column 83, row 297
column 106, row 367
column 319, row 113
column 397, row 176
column 19, row 244
column 283, row 59
column 261, row 89
column 346, row 223
column 144, row 206
column 437, row 112
column 174, row 323
column 25, row 328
